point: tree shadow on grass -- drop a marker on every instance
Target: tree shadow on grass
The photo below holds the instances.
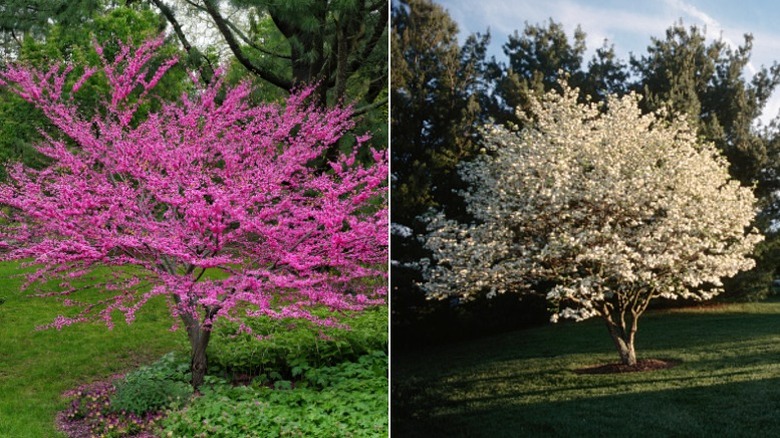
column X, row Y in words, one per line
column 724, row 387
column 749, row 408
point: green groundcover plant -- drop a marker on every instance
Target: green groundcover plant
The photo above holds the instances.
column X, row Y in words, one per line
column 294, row 382
column 347, row 400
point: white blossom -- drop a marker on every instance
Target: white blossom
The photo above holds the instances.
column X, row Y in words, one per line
column 614, row 206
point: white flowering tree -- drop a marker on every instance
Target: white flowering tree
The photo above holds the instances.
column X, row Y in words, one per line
column 613, row 207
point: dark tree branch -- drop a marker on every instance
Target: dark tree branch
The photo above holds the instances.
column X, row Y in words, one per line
column 230, row 39
column 248, row 41
column 168, row 14
column 375, row 87
column 252, row 44
column 342, row 56
column 18, row 41
column 366, row 108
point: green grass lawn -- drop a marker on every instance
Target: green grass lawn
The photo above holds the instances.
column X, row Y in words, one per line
column 523, row 383
column 37, row 366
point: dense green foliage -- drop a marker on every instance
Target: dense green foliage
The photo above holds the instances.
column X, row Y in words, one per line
column 290, row 348
column 21, row 20
column 346, row 400
column 331, row 384
column 152, row 387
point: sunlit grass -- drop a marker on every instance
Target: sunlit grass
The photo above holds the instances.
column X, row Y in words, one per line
column 524, row 384
column 37, row 366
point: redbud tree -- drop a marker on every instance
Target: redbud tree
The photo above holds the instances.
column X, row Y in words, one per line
column 612, row 207
column 206, row 183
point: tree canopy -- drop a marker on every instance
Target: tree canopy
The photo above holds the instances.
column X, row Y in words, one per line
column 207, row 182
column 610, row 207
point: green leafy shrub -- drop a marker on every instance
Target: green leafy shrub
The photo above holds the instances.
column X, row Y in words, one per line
column 129, row 405
column 346, row 400
column 348, row 374
column 152, row 388
column 290, row 348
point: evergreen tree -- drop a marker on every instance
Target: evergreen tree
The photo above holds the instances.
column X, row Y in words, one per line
column 705, row 81
column 339, row 45
column 540, row 55
column 21, row 20
column 438, row 89
column 435, row 107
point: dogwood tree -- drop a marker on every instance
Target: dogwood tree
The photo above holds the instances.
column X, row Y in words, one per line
column 206, row 183
column 612, row 207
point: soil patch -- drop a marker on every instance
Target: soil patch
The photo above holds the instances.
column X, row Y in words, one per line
column 641, row 365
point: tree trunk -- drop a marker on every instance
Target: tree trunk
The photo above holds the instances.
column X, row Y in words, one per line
column 199, row 335
column 624, row 342
column 199, row 362
column 626, row 350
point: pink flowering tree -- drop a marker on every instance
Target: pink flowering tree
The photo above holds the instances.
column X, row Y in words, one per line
column 206, row 183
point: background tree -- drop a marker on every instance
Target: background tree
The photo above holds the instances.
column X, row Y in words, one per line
column 706, row 82
column 438, row 89
column 539, row 56
column 207, row 183
column 433, row 82
column 330, row 43
column 21, row 21
column 612, row 207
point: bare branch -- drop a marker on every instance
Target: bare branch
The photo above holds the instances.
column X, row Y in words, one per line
column 168, row 14
column 230, row 39
column 366, row 108
column 248, row 41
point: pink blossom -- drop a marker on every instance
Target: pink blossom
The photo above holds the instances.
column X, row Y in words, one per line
column 207, row 183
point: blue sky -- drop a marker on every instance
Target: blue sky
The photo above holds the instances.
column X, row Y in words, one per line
column 629, row 25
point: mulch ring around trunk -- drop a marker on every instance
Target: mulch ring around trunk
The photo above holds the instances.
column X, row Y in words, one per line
column 641, row 365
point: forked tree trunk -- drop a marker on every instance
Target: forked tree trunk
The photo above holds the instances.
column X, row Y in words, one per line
column 625, row 348
column 623, row 336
